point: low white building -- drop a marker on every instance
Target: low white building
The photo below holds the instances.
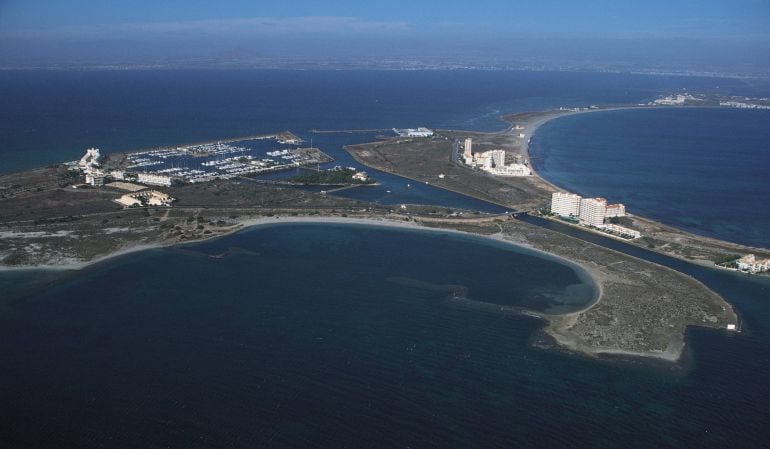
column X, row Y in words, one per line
column 673, row 100
column 153, row 179
column 512, row 170
column 413, row 132
column 742, row 105
column 750, row 264
column 420, row 132
column 622, row 231
column 615, row 210
column 95, row 177
column 565, row 204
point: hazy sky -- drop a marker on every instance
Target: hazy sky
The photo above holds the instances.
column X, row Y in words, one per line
column 91, row 30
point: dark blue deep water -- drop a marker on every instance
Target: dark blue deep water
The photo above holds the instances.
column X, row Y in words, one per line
column 52, row 116
column 704, row 170
column 340, row 336
column 300, row 335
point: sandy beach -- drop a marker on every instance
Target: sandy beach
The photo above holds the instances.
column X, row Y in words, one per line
column 70, row 264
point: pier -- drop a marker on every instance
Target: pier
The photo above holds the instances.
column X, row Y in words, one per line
column 282, row 136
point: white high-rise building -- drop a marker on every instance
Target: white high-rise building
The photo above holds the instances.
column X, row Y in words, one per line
column 565, row 204
column 468, row 149
column 593, row 211
column 498, row 157
column 490, row 159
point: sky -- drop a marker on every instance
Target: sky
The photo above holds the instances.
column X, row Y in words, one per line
column 725, row 32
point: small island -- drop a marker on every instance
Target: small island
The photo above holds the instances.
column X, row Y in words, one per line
column 337, row 176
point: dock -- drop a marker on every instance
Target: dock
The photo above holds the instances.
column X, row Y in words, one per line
column 281, row 136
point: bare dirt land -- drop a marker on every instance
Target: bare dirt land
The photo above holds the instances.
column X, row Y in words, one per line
column 424, row 160
column 643, row 308
column 44, row 221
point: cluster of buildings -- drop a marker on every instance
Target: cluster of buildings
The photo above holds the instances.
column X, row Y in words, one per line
column 743, row 105
column 591, row 212
column 673, row 100
column 413, row 132
column 153, row 179
column 750, row 264
column 492, row 161
column 91, row 168
column 96, row 176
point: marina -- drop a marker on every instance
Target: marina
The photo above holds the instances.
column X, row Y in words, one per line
column 203, row 162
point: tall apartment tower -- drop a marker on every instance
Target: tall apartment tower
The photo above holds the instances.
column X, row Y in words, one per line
column 498, row 158
column 593, row 211
column 565, row 204
column 468, row 153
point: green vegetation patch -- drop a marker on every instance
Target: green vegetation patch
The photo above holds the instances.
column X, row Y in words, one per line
column 335, row 176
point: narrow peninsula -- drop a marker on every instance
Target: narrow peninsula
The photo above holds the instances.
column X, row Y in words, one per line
column 643, row 308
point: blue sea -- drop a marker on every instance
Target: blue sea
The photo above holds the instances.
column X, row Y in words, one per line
column 347, row 336
column 704, row 170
